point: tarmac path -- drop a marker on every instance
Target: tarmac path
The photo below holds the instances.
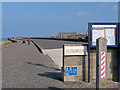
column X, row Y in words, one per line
column 23, row 66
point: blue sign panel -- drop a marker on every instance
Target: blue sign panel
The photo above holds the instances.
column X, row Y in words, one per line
column 71, row 70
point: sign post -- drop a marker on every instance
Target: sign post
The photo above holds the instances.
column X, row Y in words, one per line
column 101, row 56
column 119, row 52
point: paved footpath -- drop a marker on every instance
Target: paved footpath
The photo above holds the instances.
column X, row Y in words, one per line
column 23, row 66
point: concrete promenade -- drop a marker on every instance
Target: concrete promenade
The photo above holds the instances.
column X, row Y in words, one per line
column 23, row 66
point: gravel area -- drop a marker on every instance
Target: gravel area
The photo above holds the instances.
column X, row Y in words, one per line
column 23, row 66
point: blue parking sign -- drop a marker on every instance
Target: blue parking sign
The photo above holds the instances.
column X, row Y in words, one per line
column 71, row 70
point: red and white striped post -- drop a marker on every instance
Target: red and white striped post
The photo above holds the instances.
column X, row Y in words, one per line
column 101, row 63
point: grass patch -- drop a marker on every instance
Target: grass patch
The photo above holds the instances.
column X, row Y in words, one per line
column 6, row 44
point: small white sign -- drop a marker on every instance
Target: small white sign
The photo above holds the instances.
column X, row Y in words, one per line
column 75, row 50
column 96, row 34
column 104, row 26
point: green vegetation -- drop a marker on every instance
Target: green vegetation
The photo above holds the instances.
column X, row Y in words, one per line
column 6, row 44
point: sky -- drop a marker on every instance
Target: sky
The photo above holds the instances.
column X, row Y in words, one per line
column 45, row 19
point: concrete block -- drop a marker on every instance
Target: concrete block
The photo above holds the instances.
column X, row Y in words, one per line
column 73, row 60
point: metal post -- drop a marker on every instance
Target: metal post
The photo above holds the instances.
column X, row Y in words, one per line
column 89, row 44
column 101, row 63
column 119, row 49
column 119, row 39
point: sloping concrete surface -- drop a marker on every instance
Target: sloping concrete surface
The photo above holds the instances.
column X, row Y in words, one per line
column 56, row 55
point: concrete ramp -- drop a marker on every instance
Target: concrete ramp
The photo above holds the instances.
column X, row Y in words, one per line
column 56, row 55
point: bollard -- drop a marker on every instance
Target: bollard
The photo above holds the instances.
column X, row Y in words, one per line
column 101, row 63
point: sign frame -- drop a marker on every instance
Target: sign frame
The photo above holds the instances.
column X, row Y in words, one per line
column 100, row 24
column 91, row 46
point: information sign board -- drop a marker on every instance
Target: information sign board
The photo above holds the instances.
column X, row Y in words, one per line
column 107, row 31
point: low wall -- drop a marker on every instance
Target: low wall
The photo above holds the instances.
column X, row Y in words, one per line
column 78, row 61
column 12, row 40
column 74, row 61
column 112, row 64
column 38, row 47
column 63, row 39
column 82, row 63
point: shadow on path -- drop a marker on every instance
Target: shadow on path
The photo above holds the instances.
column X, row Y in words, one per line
column 42, row 66
column 53, row 75
column 54, row 88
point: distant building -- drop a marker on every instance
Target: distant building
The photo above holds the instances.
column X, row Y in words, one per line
column 81, row 35
column 66, row 34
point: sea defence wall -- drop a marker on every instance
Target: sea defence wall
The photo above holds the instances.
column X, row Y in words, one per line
column 63, row 39
column 81, row 63
column 112, row 64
